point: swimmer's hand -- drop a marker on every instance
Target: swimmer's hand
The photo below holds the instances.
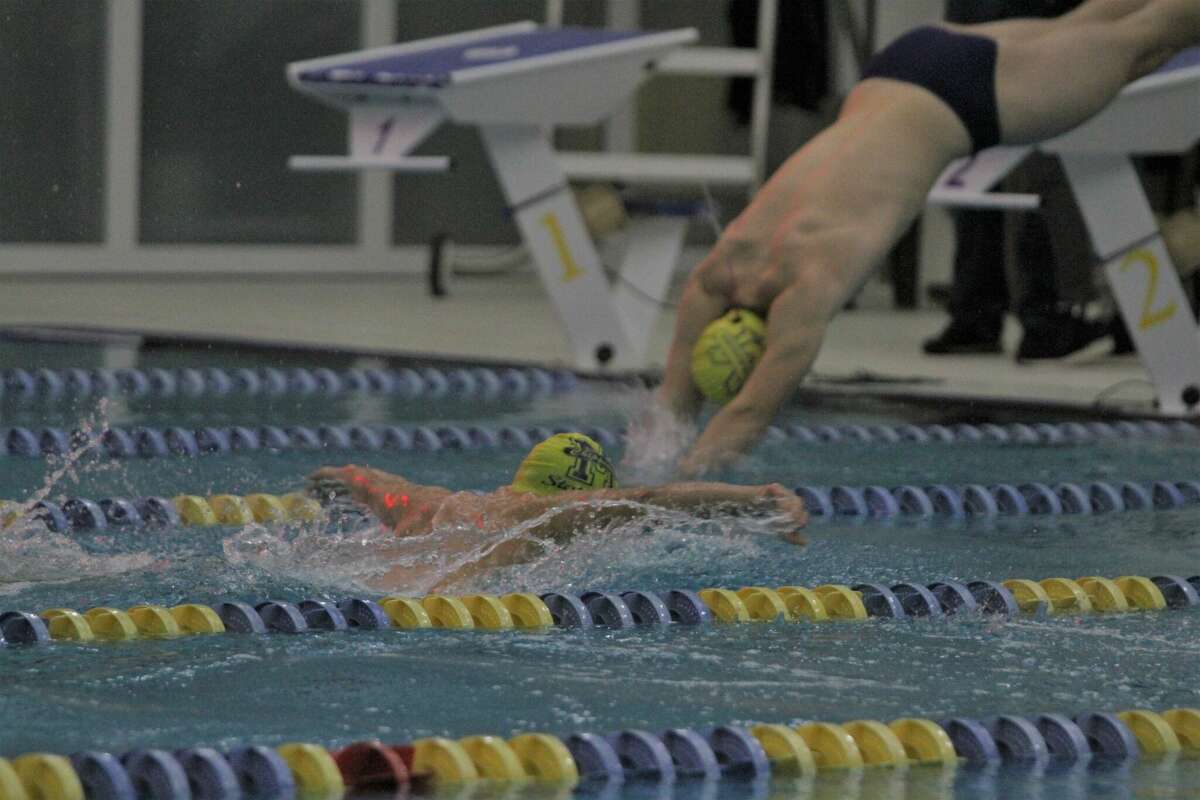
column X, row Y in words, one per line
column 784, row 502
column 351, row 481
column 385, row 494
column 329, row 483
column 326, row 490
column 773, row 500
column 789, row 510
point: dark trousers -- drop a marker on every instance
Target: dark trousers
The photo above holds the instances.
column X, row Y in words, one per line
column 979, row 296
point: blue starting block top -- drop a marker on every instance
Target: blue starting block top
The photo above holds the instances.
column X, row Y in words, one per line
column 438, row 66
column 1185, row 60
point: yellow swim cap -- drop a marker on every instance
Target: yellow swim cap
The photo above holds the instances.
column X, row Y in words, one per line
column 564, row 461
column 726, row 353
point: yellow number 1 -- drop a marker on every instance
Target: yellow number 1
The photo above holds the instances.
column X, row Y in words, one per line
column 571, row 270
column 1150, row 316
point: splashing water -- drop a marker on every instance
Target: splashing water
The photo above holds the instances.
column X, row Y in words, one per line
column 655, row 440
column 459, row 558
column 66, row 468
column 29, row 552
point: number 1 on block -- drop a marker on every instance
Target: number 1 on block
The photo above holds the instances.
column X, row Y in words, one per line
column 571, row 270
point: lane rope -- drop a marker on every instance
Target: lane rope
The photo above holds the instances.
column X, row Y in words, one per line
column 980, row 500
column 614, row 609
column 81, row 514
column 153, row 442
column 21, row 386
column 591, row 761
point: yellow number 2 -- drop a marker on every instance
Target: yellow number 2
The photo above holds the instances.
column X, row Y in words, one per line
column 1150, row 315
column 571, row 270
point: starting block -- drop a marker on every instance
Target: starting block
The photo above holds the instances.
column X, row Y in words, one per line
column 516, row 82
column 1158, row 114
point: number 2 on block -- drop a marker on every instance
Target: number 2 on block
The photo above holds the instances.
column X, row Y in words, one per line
column 571, row 270
column 1150, row 315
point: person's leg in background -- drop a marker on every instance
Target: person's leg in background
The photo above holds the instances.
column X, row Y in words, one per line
column 979, row 292
column 979, row 289
column 1053, row 275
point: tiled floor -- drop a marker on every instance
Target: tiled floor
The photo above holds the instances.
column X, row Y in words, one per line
column 509, row 318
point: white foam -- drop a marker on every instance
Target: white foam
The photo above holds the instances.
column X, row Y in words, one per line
column 655, row 441
column 461, row 558
column 31, row 554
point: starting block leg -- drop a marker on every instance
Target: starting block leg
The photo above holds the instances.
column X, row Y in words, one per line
column 655, row 244
column 554, row 231
column 1139, row 269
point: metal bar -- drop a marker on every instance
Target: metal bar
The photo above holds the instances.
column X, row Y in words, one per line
column 377, row 28
column 122, row 159
column 761, row 105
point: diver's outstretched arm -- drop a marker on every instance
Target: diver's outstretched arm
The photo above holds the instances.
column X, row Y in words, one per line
column 697, row 308
column 795, row 327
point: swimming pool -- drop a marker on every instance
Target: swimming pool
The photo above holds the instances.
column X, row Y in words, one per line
column 395, row 685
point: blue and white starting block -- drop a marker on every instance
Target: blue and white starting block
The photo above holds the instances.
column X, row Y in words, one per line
column 1158, row 114
column 516, row 82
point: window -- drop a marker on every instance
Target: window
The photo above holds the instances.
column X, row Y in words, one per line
column 52, row 78
column 219, row 121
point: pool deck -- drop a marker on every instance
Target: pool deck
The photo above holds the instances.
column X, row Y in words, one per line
column 873, row 350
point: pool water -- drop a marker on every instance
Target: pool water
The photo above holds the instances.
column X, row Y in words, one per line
column 336, row 688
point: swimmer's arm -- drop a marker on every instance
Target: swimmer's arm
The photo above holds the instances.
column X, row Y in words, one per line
column 794, row 334
column 697, row 308
column 693, row 496
column 702, row 496
column 390, row 497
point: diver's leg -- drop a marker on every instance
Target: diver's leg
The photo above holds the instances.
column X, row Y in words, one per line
column 1104, row 10
column 1048, row 84
column 1030, row 19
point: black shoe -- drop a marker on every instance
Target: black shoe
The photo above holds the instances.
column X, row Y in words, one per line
column 1059, row 335
column 1122, row 341
column 960, row 340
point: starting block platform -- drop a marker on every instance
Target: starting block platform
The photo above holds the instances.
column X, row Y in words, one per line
column 1155, row 115
column 517, row 83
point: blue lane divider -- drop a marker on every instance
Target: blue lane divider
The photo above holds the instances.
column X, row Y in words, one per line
column 28, row 386
column 611, row 610
column 978, row 500
column 81, row 514
column 1013, row 433
column 653, row 762
column 145, row 442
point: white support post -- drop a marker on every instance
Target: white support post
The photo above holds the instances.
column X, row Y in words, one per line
column 122, row 157
column 1139, row 269
column 761, row 103
column 378, row 28
column 554, row 231
column 654, row 246
column 621, row 128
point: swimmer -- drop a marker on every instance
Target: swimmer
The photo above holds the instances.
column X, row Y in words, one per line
column 813, row 234
column 566, row 485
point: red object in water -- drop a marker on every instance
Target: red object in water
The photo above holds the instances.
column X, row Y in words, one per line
column 406, row 752
column 374, row 767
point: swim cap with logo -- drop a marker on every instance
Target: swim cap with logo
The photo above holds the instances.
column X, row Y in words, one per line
column 726, row 352
column 564, row 462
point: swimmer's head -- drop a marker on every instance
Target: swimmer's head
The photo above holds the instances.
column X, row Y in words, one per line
column 726, row 353
column 565, row 462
